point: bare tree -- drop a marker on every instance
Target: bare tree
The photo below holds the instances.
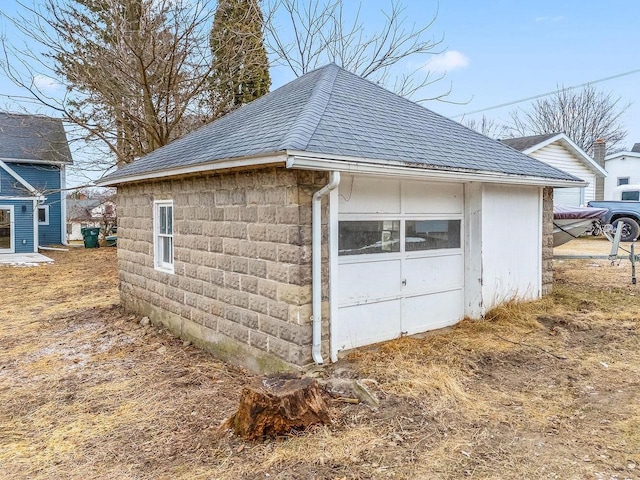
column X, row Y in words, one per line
column 487, row 127
column 305, row 34
column 134, row 71
column 584, row 116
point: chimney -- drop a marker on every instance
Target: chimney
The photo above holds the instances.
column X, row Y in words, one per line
column 599, row 151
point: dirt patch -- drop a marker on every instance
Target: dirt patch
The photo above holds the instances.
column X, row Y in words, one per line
column 547, row 389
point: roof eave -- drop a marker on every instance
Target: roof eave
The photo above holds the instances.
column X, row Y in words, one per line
column 613, row 156
column 308, row 161
column 277, row 158
column 38, row 161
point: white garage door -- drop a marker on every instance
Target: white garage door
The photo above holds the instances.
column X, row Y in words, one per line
column 568, row 196
column 400, row 261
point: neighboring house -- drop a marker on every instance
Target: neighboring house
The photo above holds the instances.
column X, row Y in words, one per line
column 558, row 150
column 327, row 215
column 89, row 213
column 623, row 168
column 34, row 154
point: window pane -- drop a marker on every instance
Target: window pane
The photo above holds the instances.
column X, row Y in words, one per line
column 170, row 220
column 163, row 219
column 42, row 215
column 5, row 228
column 623, row 181
column 631, row 195
column 362, row 237
column 431, row 234
column 167, row 250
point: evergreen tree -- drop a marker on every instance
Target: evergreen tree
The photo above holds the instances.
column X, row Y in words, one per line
column 240, row 69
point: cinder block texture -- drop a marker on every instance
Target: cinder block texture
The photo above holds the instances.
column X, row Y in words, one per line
column 242, row 263
column 547, row 240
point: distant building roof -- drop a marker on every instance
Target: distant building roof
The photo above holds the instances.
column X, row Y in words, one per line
column 636, row 148
column 333, row 112
column 524, row 143
column 33, row 137
column 81, row 209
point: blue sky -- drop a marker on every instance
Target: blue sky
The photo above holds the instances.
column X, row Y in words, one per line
column 517, row 49
column 499, row 51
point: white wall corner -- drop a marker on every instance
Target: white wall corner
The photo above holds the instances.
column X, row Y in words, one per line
column 473, row 270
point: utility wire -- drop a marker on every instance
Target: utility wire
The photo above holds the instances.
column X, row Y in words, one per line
column 548, row 93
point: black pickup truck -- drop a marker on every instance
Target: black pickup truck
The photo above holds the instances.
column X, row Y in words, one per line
column 625, row 211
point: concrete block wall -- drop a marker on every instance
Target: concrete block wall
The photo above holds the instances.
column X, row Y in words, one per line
column 547, row 240
column 242, row 246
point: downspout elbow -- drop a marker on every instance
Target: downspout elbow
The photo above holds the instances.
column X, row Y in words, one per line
column 316, row 259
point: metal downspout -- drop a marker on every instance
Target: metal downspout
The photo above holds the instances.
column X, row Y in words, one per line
column 316, row 259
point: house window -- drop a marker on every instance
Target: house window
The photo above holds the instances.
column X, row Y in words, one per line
column 163, row 235
column 623, row 181
column 43, row 215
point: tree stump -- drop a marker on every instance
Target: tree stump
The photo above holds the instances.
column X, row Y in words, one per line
column 278, row 405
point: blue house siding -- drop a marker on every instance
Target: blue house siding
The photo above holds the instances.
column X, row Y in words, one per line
column 10, row 187
column 45, row 178
column 22, row 211
column 23, row 225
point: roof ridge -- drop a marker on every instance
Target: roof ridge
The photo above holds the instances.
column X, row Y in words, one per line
column 309, row 117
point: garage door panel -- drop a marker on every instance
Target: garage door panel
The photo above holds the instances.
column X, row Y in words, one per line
column 428, row 312
column 433, row 272
column 366, row 324
column 416, row 284
column 568, row 196
column 368, row 280
column 368, row 195
column 446, row 198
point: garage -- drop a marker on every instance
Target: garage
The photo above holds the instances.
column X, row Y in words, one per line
column 569, row 196
column 400, row 259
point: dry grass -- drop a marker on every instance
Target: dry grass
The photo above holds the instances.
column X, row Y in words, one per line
column 545, row 389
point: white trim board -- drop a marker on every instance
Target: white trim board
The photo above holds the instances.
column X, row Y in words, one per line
column 11, row 172
column 12, row 229
column 307, row 161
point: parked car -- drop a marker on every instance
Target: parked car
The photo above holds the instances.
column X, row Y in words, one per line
column 621, row 212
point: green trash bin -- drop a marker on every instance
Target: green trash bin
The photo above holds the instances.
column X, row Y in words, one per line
column 90, row 237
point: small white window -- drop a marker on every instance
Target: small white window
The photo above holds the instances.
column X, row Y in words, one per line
column 43, row 215
column 623, row 181
column 163, row 235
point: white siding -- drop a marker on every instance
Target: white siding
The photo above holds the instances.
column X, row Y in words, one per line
column 621, row 167
column 561, row 158
column 511, row 243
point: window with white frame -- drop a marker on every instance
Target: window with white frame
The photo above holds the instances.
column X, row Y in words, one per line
column 43, row 215
column 163, row 235
column 623, row 181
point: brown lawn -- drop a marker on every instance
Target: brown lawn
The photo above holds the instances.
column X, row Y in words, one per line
column 549, row 389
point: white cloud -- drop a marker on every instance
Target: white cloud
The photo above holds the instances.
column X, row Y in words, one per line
column 46, row 84
column 445, row 62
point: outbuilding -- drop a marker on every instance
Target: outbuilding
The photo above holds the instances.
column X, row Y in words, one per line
column 327, row 215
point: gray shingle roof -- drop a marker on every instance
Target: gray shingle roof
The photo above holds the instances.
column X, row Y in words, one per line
column 331, row 111
column 523, row 143
column 33, row 137
column 636, row 148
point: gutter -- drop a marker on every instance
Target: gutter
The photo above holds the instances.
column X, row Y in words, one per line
column 316, row 247
column 306, row 161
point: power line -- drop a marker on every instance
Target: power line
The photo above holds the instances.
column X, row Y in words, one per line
column 547, row 94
